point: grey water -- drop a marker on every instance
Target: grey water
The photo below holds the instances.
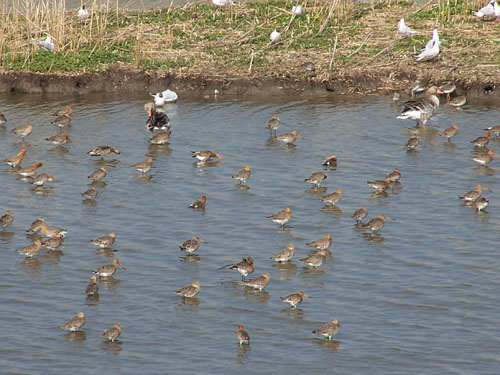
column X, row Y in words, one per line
column 421, row 296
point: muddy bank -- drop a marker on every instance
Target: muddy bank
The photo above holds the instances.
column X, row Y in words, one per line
column 116, row 80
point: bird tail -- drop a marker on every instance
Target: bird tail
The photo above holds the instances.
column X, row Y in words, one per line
column 403, row 116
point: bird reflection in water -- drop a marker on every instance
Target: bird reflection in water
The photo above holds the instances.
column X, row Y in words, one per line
column 317, row 191
column 287, row 270
column 328, row 344
column 112, row 347
column 293, row 313
column 190, row 258
column 159, row 149
column 332, row 210
column 242, row 187
column 106, row 252
column 77, row 336
column 374, row 237
column 53, row 255
column 243, row 353
column 32, row 266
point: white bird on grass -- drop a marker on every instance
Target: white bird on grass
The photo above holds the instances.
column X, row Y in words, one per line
column 405, row 30
column 82, row 12
column 431, row 49
column 275, row 36
column 297, row 10
column 492, row 9
column 222, row 3
column 167, row 96
column 44, row 44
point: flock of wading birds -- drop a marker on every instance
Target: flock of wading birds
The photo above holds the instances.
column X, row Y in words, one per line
column 419, row 109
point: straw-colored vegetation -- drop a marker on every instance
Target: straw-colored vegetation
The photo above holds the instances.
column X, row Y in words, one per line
column 340, row 37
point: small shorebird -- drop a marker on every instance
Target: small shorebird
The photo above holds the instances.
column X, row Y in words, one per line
column 3, row 119
column 205, row 155
column 64, row 119
column 332, row 198
column 458, row 101
column 199, row 203
column 30, row 170
column 112, row 334
column 92, row 288
column 51, row 232
column 330, row 161
column 160, row 137
column 143, row 166
column 259, row 282
column 31, row 250
column 376, row 223
column 394, row 176
column 189, row 291
column 380, row 185
column 448, row 88
column 245, row 267
column 449, row 132
column 316, row 259
column 289, row 138
column 16, row 160
column 285, row 255
column 494, row 129
column 481, row 141
column 329, row 329
column 485, row 159
column 90, row 193
column 41, row 179
column 360, row 214
column 294, row 299
column 412, row 143
column 323, row 243
column 422, row 109
column 242, row 335
column 109, row 269
column 75, row 323
column 105, row 241
column 98, row 174
column 6, row 220
column 23, row 130
column 103, row 151
column 190, row 246
column 273, row 124
column 316, row 178
column 243, row 175
column 282, row 217
column 473, row 195
column 53, row 243
column 59, row 139
column 481, row 204
column 36, row 225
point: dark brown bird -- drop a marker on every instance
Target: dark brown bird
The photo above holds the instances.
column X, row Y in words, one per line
column 380, row 185
column 330, row 161
column 103, row 151
column 245, row 267
column 242, row 335
column 75, row 323
column 449, row 132
column 376, row 223
column 482, row 141
column 160, row 137
column 59, row 139
column 273, row 125
column 92, row 288
column 6, row 220
column 16, row 160
column 316, row 178
column 199, row 203
column 23, row 130
column 360, row 214
column 112, row 334
column 412, row 142
column 189, row 291
column 394, row 176
column 329, row 330
column 98, row 174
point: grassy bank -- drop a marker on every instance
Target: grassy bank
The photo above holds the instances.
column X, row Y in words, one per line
column 340, row 37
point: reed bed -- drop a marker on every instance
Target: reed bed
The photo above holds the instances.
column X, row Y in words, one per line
column 233, row 42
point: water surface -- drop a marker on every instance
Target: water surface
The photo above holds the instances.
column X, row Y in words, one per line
column 420, row 297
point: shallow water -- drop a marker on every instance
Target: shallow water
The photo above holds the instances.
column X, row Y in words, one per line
column 420, row 297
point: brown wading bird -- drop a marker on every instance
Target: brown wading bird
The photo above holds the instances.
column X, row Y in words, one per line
column 199, row 203
column 285, row 255
column 16, row 160
column 243, row 175
column 6, row 220
column 144, row 166
column 41, row 179
column 273, row 124
column 481, row 204
column 473, row 195
column 92, row 288
column 64, row 119
column 53, row 243
column 51, row 232
column 103, row 151
column 316, row 259
column 160, row 137
column 75, row 323
column 376, row 223
column 36, row 225
column 98, row 174
column 323, row 243
column 380, row 185
column 259, row 282
column 109, row 269
column 245, row 267
column 449, row 132
column 90, row 194
column 205, row 155
column 112, row 334
column 282, row 217
column 482, row 141
column 360, row 214
column 316, row 178
column 189, row 291
column 23, row 130
column 190, row 246
column 30, row 170
column 394, row 176
column 242, row 335
column 332, row 198
column 31, row 250
column 494, row 129
column 485, row 159
column 294, row 299
column 329, row 330
column 105, row 241
column 331, row 161
column 59, row 139
column 289, row 138
column 412, row 143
